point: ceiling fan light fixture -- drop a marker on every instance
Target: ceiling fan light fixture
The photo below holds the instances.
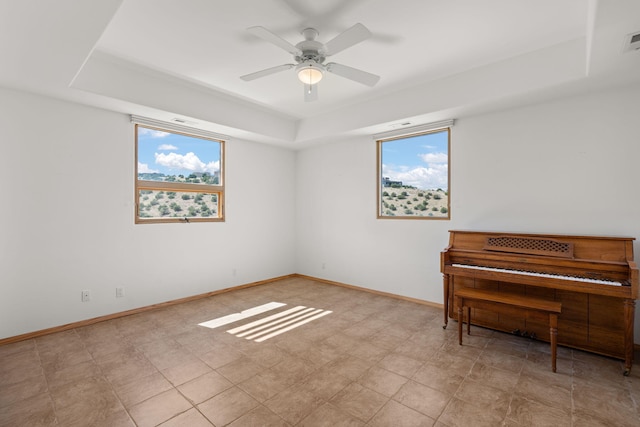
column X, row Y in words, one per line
column 309, row 73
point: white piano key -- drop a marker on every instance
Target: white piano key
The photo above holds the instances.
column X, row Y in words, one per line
column 547, row 275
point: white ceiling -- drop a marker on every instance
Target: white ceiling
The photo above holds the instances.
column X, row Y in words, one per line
column 437, row 59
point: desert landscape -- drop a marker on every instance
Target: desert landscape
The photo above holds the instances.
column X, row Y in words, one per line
column 414, row 202
column 172, row 204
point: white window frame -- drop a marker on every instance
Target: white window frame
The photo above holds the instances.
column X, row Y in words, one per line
column 183, row 187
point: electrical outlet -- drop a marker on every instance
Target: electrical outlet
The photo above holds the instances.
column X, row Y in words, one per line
column 119, row 292
column 86, row 296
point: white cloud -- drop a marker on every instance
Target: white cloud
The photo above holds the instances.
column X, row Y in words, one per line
column 434, row 158
column 167, row 147
column 427, row 178
column 144, row 168
column 188, row 161
column 152, row 133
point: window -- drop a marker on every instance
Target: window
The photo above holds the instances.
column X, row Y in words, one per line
column 179, row 176
column 413, row 175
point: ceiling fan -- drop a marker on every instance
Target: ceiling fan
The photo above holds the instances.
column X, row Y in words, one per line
column 310, row 55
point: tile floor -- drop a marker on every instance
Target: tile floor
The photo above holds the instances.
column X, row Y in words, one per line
column 373, row 361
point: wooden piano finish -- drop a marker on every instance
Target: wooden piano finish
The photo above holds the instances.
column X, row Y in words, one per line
column 595, row 317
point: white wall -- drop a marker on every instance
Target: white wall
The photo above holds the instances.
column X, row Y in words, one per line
column 569, row 166
column 67, row 219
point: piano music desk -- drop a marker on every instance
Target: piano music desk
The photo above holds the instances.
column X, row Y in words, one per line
column 509, row 304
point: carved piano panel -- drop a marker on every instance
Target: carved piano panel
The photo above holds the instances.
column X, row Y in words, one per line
column 596, row 316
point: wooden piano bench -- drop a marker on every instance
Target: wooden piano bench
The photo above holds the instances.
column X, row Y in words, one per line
column 509, row 304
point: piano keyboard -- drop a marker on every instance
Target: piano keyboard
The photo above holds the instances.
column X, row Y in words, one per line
column 545, row 275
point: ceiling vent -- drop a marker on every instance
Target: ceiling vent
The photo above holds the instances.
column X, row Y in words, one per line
column 632, row 42
column 183, row 121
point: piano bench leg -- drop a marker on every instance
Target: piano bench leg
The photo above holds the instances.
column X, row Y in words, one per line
column 553, row 329
column 460, row 320
column 468, row 320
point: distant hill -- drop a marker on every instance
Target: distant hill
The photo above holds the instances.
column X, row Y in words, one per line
column 410, row 201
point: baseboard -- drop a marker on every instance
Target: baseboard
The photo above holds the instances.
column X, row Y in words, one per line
column 99, row 319
column 372, row 291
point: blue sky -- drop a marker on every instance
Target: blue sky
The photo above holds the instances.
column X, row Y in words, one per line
column 174, row 154
column 420, row 161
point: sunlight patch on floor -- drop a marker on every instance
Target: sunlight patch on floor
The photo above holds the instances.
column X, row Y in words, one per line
column 225, row 320
column 268, row 327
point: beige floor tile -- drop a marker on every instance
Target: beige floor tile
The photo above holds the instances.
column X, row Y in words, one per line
column 267, row 355
column 439, row 377
column 349, row 366
column 88, row 402
column 264, row 385
column 53, row 361
column 485, row 397
column 159, row 408
column 530, row 413
column 359, row 401
column 293, row 369
column 501, row 360
column 105, row 349
column 171, row 358
column 329, row 416
column 16, row 367
column 494, row 377
column 259, row 417
column 240, row 370
column 29, row 387
column 539, row 390
column 397, row 415
column 369, row 352
column 466, row 350
column 294, row 404
column 190, row 418
column 17, row 347
column 138, row 391
column 188, row 370
column 513, row 347
column 387, row 340
column 126, row 367
column 605, row 401
column 33, row 411
column 423, row 399
column 589, row 419
column 420, row 351
column 400, row 364
column 319, row 354
column 461, row 413
column 204, row 387
column 220, row 356
column 57, row 378
column 325, row 383
column 382, row 381
column 227, row 406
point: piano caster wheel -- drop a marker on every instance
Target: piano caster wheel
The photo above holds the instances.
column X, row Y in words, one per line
column 626, row 372
column 444, row 326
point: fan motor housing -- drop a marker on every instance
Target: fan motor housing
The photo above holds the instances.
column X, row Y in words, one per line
column 310, row 51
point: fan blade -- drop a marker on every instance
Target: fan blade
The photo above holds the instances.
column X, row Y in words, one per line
column 348, row 38
column 353, row 74
column 267, row 35
column 310, row 93
column 266, row 72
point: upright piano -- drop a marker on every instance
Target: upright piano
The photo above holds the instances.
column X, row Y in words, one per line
column 594, row 277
